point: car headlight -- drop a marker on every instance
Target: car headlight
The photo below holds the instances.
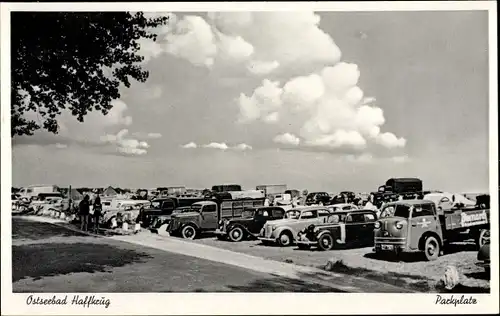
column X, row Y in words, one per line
column 273, row 228
column 399, row 225
column 377, row 225
column 220, row 222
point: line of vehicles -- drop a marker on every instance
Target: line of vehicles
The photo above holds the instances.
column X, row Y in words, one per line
column 409, row 220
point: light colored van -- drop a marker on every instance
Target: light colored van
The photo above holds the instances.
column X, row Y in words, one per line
column 33, row 190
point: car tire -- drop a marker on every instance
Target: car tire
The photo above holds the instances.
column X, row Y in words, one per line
column 236, row 234
column 326, row 242
column 188, row 232
column 483, row 238
column 285, row 239
column 431, row 248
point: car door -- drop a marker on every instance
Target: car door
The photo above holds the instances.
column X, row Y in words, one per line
column 258, row 221
column 367, row 228
column 354, row 227
column 209, row 217
column 422, row 219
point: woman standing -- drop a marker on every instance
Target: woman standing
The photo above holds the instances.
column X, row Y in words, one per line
column 97, row 213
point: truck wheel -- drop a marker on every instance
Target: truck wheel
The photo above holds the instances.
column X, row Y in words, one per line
column 431, row 248
column 188, row 232
column 236, row 234
column 285, row 239
column 326, row 242
column 483, row 238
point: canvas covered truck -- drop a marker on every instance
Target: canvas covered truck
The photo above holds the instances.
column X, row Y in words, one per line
column 408, row 188
column 207, row 215
column 418, row 226
column 272, row 189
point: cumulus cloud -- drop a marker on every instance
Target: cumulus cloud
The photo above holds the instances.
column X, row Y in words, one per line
column 287, row 139
column 264, row 101
column 221, row 146
column 332, row 110
column 243, row 147
column 261, row 41
column 189, row 145
column 154, row 135
column 258, row 67
column 390, row 140
column 127, row 146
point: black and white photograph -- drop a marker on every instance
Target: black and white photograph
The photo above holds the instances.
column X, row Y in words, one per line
column 209, row 149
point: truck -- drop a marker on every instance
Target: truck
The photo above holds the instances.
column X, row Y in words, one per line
column 32, row 191
column 408, row 188
column 272, row 188
column 419, row 226
column 163, row 208
column 207, row 215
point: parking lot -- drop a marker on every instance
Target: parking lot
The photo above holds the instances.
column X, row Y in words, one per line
column 412, row 270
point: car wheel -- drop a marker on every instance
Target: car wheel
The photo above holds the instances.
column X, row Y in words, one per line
column 483, row 238
column 326, row 242
column 285, row 239
column 188, row 232
column 236, row 234
column 431, row 248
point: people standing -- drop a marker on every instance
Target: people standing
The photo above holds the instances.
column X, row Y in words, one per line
column 84, row 211
column 97, row 213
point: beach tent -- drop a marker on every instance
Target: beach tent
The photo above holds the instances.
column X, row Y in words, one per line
column 75, row 195
column 109, row 191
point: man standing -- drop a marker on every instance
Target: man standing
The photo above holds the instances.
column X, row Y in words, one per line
column 84, row 210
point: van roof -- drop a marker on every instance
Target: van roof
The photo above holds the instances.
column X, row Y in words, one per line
column 411, row 202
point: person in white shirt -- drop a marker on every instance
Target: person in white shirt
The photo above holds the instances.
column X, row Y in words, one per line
column 370, row 204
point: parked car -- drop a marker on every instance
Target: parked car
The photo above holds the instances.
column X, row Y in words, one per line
column 318, row 198
column 342, row 207
column 249, row 224
column 483, row 257
column 160, row 220
column 284, row 231
column 342, row 228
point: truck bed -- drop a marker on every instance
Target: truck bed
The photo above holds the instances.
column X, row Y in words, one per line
column 465, row 218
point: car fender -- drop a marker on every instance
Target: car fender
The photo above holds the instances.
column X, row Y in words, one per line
column 280, row 230
column 231, row 226
column 183, row 224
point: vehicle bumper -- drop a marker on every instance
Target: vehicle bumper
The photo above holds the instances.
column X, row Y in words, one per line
column 396, row 244
column 483, row 264
column 220, row 232
column 270, row 239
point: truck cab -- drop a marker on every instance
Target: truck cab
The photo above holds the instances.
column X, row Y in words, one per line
column 409, row 226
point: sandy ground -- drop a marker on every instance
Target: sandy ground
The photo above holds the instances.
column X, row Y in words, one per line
column 363, row 262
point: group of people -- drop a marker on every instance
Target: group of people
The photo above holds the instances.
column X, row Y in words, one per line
column 84, row 213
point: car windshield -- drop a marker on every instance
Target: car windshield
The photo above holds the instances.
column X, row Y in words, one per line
column 292, row 214
column 402, row 211
column 195, row 208
column 248, row 213
column 155, row 204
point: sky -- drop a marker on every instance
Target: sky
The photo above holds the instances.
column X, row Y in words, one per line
column 324, row 101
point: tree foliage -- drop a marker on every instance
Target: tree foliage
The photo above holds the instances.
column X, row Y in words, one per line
column 72, row 61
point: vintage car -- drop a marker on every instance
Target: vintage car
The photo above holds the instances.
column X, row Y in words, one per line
column 160, row 220
column 321, row 198
column 342, row 228
column 483, row 257
column 342, row 207
column 249, row 224
column 284, row 231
